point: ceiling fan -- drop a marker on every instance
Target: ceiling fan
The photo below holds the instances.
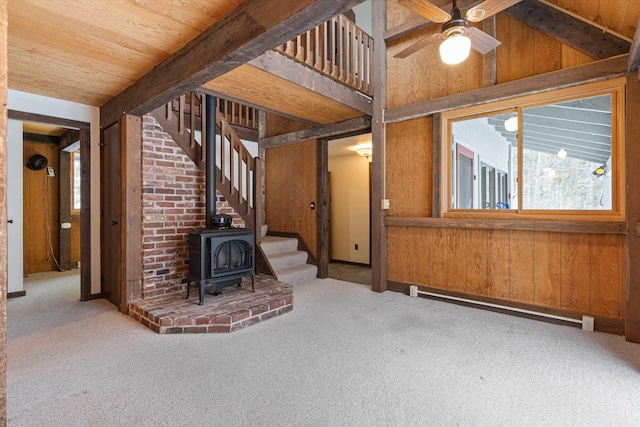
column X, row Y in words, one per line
column 456, row 35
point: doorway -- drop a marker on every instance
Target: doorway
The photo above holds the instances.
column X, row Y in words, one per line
column 349, row 208
column 54, row 170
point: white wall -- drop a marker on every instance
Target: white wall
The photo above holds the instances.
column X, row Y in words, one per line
column 349, row 208
column 15, row 259
column 36, row 104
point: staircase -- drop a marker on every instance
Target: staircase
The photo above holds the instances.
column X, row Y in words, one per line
column 281, row 255
column 288, row 258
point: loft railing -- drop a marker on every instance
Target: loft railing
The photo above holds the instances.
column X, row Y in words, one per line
column 238, row 114
column 337, row 48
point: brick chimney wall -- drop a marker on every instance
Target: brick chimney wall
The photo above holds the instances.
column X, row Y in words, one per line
column 172, row 205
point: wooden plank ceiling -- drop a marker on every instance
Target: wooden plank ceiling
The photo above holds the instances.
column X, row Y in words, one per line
column 89, row 51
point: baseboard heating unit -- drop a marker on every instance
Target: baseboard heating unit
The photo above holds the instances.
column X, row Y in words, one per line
column 587, row 322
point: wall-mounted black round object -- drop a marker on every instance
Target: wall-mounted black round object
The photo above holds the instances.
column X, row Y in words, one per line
column 37, row 162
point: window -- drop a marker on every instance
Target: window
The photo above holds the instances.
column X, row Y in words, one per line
column 559, row 153
column 75, row 180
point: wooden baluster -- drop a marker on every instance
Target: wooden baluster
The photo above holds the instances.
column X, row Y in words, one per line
column 232, row 168
column 203, row 126
column 247, row 176
column 336, row 37
column 291, row 49
column 181, row 115
column 300, row 48
column 280, row 48
column 232, row 119
column 223, row 163
column 239, row 177
column 192, row 115
column 318, row 47
column 308, row 55
column 326, row 48
column 169, row 110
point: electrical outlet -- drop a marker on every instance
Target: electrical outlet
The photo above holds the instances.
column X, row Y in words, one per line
column 587, row 323
column 356, row 246
column 50, row 172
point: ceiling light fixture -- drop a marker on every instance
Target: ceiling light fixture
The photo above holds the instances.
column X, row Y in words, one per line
column 511, row 124
column 455, row 48
column 600, row 170
column 562, row 153
column 364, row 151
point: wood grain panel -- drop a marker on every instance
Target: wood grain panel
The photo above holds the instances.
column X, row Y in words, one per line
column 409, row 178
column 574, row 58
column 438, row 273
column 607, row 273
column 548, row 269
column 291, row 184
column 498, row 263
column 576, row 280
column 454, row 246
column 422, row 247
column 477, row 262
column 403, row 255
column 41, row 210
column 75, row 239
column 393, row 245
column 521, row 284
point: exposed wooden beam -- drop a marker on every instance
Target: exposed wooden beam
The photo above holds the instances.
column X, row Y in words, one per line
column 379, row 259
column 41, row 139
column 68, row 139
column 252, row 28
column 594, row 71
column 352, row 125
column 302, row 75
column 568, row 29
column 634, row 51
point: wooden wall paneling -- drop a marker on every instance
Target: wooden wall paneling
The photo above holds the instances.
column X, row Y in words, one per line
column 548, row 48
column 409, row 177
column 521, row 270
column 404, row 255
column 3, row 212
column 422, row 245
column 477, row 262
column 574, row 58
column 437, row 268
column 632, row 240
column 607, row 272
column 498, row 263
column 503, row 53
column 41, row 199
column 631, row 19
column 75, row 239
column 456, row 261
column 576, row 280
column 393, row 245
column 548, row 269
column 523, row 54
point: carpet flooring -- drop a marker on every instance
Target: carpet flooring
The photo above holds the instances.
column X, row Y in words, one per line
column 345, row 356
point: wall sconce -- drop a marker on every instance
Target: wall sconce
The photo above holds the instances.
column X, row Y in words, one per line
column 365, row 151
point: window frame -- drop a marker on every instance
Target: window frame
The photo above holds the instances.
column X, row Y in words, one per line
column 614, row 87
column 72, row 168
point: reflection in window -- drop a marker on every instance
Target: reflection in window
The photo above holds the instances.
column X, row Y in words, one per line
column 537, row 156
column 563, row 145
column 75, row 180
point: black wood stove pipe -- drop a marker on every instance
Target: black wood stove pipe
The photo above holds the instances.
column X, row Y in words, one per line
column 210, row 161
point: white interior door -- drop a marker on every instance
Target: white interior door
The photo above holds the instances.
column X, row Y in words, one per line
column 15, row 162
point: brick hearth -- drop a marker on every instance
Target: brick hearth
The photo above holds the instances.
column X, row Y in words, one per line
column 235, row 308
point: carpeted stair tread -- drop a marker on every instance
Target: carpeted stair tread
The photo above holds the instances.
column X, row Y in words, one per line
column 298, row 274
column 287, row 259
column 274, row 244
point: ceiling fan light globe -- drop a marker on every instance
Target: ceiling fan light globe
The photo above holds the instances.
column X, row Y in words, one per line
column 455, row 49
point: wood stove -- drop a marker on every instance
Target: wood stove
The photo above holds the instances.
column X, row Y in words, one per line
column 221, row 257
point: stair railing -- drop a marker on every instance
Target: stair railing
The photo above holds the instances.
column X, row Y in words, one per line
column 337, row 48
column 238, row 173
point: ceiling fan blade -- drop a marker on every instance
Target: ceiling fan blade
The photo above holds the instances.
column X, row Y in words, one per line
column 481, row 41
column 488, row 8
column 422, row 7
column 417, row 46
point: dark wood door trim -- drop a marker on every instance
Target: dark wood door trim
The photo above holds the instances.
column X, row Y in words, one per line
column 85, row 190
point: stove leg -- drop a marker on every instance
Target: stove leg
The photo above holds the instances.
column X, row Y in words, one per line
column 253, row 283
column 202, row 286
column 188, row 290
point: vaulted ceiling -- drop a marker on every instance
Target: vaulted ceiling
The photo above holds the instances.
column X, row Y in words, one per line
column 91, row 51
